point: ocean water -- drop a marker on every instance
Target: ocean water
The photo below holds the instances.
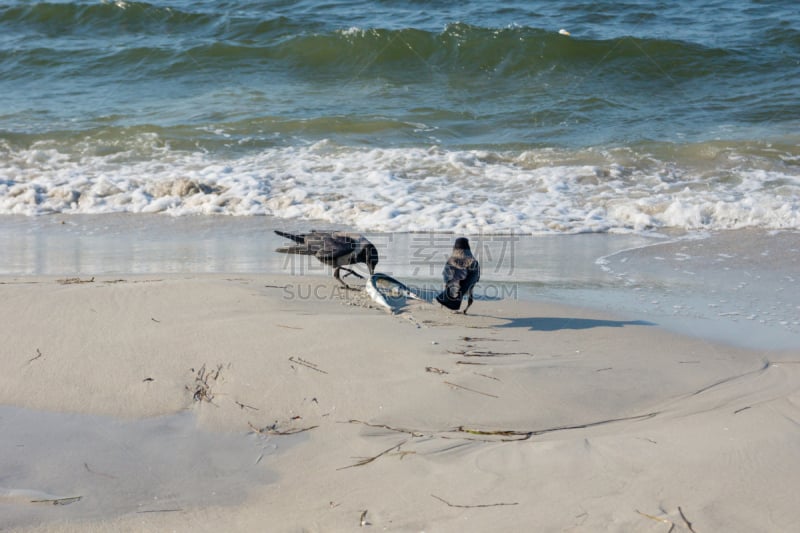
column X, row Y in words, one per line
column 475, row 117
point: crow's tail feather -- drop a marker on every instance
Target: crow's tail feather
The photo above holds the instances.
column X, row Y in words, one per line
column 294, row 249
column 449, row 301
column 299, row 239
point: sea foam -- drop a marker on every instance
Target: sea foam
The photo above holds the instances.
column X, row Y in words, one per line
column 408, row 189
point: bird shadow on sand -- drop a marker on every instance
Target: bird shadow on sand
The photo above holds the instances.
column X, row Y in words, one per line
column 562, row 323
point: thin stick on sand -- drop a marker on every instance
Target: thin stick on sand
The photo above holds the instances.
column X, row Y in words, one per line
column 470, row 390
column 484, row 353
column 529, row 433
column 411, row 432
column 688, row 524
column 368, row 460
column 35, row 357
column 478, row 506
column 305, row 363
column 245, row 406
column 272, row 430
column 482, row 339
column 60, row 501
column 70, row 281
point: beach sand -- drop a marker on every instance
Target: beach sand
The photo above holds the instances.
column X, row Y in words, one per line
column 283, row 403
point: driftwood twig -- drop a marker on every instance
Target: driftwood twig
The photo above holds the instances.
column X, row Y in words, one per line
column 35, row 357
column 60, row 501
column 500, row 504
column 411, row 432
column 368, row 460
column 308, row 364
column 483, row 353
column 471, row 390
column 245, row 406
column 70, row 281
column 530, row 433
column 688, row 524
column 273, row 429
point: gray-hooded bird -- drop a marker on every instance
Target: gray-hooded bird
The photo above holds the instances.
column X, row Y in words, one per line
column 334, row 248
column 460, row 274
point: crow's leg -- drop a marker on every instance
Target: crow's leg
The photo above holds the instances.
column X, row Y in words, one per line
column 345, row 285
column 336, row 275
column 351, row 272
column 469, row 302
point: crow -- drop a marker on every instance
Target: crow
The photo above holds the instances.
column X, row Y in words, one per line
column 460, row 274
column 334, row 248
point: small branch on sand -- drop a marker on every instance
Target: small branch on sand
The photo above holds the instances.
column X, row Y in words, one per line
column 70, row 281
column 486, row 376
column 483, row 339
column 470, row 363
column 528, row 434
column 60, row 501
column 368, row 460
column 411, row 432
column 109, row 476
column 401, row 455
column 736, row 412
column 305, row 363
column 657, row 519
column 501, row 504
column 509, row 435
column 484, row 353
column 688, row 524
column 287, row 327
column 470, row 390
column 435, row 370
column 245, row 406
column 524, row 435
column 35, row 357
column 160, row 511
column 670, row 522
column 273, row 430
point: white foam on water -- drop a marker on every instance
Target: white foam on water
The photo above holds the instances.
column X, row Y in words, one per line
column 405, row 189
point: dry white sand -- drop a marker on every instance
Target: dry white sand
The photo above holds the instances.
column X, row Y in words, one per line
column 521, row 417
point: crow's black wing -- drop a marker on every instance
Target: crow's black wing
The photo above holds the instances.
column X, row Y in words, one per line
column 471, row 276
column 334, row 246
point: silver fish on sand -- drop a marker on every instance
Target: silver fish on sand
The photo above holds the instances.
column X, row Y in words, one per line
column 395, row 289
column 338, row 249
column 461, row 272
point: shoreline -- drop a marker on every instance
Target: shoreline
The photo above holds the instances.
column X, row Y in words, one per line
column 737, row 287
column 427, row 420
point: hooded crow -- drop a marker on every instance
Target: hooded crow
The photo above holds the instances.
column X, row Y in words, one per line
column 461, row 273
column 336, row 249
